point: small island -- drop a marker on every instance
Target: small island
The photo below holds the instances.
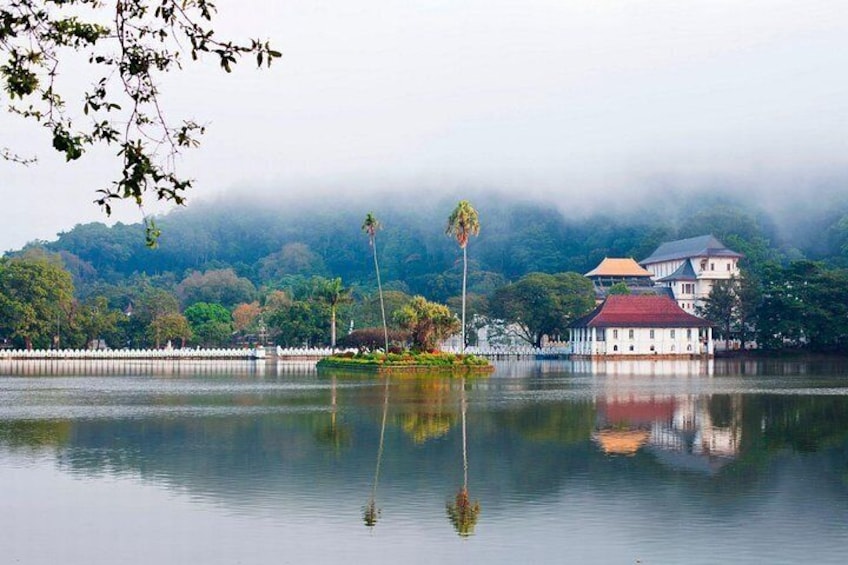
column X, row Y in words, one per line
column 407, row 362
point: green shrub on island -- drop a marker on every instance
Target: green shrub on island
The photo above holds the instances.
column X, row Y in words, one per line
column 405, row 359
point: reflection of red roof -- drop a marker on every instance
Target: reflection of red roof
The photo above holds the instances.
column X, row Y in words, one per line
column 639, row 311
column 636, row 412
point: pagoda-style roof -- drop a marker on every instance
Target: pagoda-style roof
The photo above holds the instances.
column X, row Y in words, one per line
column 685, row 272
column 611, row 267
column 622, row 442
column 701, row 246
column 639, row 311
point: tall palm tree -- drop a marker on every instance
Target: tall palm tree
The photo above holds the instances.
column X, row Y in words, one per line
column 334, row 294
column 462, row 224
column 370, row 226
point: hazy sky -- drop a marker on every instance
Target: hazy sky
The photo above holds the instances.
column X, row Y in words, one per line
column 584, row 101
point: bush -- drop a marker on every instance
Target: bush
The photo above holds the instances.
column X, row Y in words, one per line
column 371, row 339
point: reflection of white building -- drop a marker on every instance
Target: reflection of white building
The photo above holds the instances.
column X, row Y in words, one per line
column 690, row 267
column 640, row 326
column 677, row 429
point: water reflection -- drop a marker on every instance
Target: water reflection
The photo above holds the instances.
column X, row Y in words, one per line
column 372, row 513
column 552, row 452
column 462, row 512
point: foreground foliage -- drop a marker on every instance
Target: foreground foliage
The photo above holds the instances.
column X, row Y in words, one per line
column 128, row 46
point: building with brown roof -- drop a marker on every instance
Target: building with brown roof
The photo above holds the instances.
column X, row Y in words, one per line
column 625, row 271
column 640, row 325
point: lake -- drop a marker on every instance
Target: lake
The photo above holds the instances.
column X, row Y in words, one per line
column 545, row 461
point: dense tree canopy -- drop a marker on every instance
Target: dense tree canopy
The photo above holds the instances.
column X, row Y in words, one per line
column 36, row 298
column 427, row 322
column 804, row 305
column 543, row 305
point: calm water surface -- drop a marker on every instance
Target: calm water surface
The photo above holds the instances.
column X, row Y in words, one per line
column 160, row 463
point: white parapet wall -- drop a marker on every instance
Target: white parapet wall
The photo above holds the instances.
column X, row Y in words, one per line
column 119, row 354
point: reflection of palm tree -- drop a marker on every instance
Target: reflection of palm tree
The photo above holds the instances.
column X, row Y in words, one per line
column 462, row 512
column 333, row 434
column 371, row 512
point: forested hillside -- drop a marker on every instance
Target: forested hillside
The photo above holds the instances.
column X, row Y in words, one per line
column 263, row 241
column 234, row 271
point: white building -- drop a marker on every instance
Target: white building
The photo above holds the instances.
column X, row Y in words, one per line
column 640, row 326
column 690, row 267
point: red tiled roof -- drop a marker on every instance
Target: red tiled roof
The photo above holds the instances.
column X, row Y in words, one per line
column 639, row 311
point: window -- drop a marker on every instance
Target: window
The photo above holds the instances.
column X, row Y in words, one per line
column 712, row 266
column 615, row 334
column 689, row 333
column 615, row 348
column 672, row 334
column 652, row 348
column 631, row 348
column 630, row 334
column 652, row 337
column 728, row 266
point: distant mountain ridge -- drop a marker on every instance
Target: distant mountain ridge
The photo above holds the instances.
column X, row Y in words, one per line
column 261, row 241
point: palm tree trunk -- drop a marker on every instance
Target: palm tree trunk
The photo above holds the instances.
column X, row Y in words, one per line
column 333, row 328
column 464, row 278
column 380, row 291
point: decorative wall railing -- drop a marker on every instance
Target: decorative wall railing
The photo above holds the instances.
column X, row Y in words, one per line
column 512, row 352
column 118, row 354
column 281, row 353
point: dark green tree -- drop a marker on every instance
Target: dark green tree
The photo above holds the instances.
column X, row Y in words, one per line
column 36, row 300
column 94, row 319
column 168, row 327
column 721, row 307
column 211, row 324
column 216, row 286
column 804, row 305
column 301, row 323
column 541, row 304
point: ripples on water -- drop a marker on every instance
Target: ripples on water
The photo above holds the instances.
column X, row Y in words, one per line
column 239, row 462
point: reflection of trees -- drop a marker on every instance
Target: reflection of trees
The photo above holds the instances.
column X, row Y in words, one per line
column 463, row 513
column 561, row 423
column 30, row 433
column 371, row 513
column 427, row 413
column 333, row 434
column 805, row 424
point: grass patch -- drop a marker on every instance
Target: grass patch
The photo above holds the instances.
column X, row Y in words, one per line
column 407, row 361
